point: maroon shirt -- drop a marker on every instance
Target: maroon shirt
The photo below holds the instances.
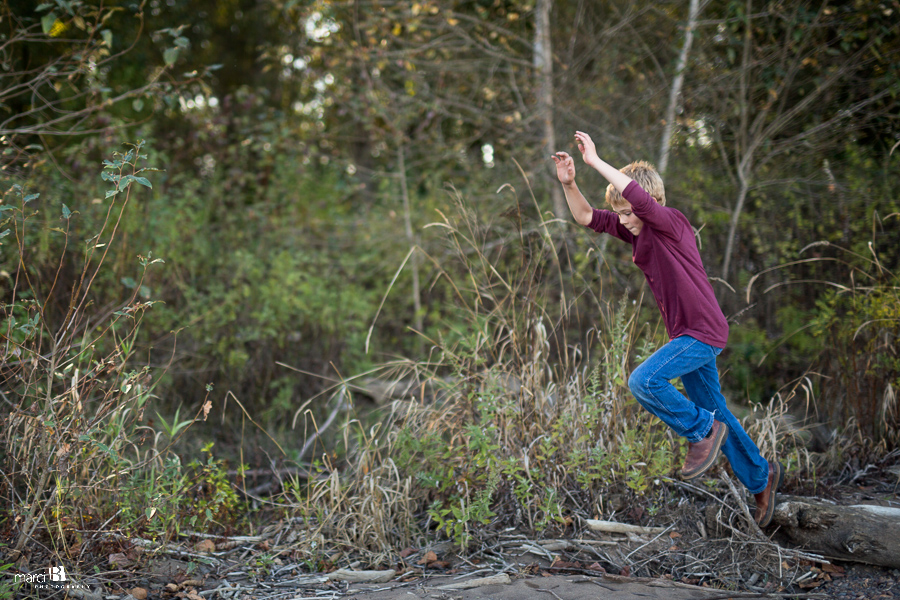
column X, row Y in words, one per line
column 666, row 251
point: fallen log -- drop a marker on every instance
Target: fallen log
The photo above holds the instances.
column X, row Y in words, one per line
column 858, row 533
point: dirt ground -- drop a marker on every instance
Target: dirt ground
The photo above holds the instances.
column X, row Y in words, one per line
column 565, row 587
column 859, row 582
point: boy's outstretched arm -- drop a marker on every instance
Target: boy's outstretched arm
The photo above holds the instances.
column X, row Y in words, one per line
column 565, row 171
column 589, row 152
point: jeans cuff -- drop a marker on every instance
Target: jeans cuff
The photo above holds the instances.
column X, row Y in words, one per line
column 706, row 430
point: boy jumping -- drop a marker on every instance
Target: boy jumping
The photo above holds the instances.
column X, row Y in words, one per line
column 664, row 248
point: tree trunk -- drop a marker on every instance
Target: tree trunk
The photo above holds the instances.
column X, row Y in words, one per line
column 732, row 227
column 860, row 533
column 543, row 65
column 677, row 83
column 410, row 236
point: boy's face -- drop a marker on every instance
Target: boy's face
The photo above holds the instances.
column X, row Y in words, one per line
column 627, row 218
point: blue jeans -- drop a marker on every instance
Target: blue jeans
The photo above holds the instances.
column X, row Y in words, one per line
column 692, row 417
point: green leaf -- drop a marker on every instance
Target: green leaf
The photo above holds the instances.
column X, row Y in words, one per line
column 143, row 181
column 137, row 104
column 170, row 56
column 182, row 42
column 111, row 193
column 107, row 37
column 30, row 197
column 66, row 213
column 47, row 21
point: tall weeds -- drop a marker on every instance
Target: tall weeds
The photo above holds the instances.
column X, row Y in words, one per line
column 857, row 324
column 519, row 417
column 74, row 443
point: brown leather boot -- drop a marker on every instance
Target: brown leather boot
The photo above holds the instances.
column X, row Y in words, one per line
column 766, row 500
column 701, row 455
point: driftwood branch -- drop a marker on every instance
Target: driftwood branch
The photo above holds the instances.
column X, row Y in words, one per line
column 500, row 579
column 613, row 527
column 362, row 576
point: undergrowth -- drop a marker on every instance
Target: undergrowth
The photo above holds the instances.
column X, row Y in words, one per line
column 519, row 419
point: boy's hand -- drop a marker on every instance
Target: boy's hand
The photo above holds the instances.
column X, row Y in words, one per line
column 586, row 147
column 565, row 167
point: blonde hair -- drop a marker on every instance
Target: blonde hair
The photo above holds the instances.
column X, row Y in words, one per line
column 646, row 176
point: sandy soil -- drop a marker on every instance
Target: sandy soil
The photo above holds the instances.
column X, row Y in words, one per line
column 559, row 587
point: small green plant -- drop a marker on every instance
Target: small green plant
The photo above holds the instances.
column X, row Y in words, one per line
column 8, row 587
column 215, row 501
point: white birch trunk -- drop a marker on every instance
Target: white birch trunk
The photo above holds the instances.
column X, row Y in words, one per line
column 677, row 84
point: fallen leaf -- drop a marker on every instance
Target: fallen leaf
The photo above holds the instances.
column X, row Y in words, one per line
column 674, row 535
column 810, row 584
column 207, row 406
column 138, row 593
column 407, row 552
column 438, row 564
column 626, row 571
column 119, row 560
column 829, row 568
column 205, row 546
column 428, row 558
column 561, row 564
column 596, row 567
column 171, row 587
